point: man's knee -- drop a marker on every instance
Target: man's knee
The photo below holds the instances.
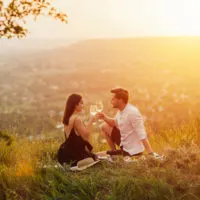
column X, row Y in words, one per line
column 105, row 128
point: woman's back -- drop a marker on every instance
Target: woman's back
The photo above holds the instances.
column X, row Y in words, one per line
column 71, row 126
column 75, row 142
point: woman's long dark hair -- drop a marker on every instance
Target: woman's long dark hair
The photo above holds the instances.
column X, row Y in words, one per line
column 72, row 101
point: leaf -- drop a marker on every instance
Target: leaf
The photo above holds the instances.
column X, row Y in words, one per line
column 17, row 11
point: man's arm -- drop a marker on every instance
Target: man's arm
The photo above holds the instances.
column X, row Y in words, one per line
column 138, row 124
column 108, row 120
column 147, row 146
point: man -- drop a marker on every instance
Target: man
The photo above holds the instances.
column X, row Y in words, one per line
column 127, row 128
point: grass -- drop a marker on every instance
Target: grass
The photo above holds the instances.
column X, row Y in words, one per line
column 162, row 78
column 29, row 170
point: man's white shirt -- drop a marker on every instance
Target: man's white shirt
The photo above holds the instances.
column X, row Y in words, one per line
column 131, row 125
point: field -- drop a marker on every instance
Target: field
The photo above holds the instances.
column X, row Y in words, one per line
column 162, row 75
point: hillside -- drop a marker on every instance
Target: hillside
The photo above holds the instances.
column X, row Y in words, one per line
column 162, row 75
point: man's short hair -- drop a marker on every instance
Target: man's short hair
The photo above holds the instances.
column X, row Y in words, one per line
column 120, row 93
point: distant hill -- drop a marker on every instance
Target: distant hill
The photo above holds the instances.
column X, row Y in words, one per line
column 12, row 47
column 162, row 75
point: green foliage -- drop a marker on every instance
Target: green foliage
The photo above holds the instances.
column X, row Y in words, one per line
column 29, row 170
column 133, row 189
column 4, row 136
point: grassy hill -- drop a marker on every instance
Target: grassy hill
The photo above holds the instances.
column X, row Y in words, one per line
column 162, row 75
column 29, row 171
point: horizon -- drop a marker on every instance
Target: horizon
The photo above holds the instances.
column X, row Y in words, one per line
column 37, row 44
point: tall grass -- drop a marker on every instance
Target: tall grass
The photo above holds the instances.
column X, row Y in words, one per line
column 29, row 170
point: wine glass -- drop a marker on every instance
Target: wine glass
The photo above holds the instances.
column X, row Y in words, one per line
column 93, row 110
column 99, row 105
column 99, row 108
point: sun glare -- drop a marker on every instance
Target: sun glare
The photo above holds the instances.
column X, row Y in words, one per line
column 180, row 17
column 187, row 19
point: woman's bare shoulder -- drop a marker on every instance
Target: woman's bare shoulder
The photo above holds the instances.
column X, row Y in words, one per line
column 75, row 119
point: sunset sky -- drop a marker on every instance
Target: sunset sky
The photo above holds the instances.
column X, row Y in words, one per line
column 121, row 18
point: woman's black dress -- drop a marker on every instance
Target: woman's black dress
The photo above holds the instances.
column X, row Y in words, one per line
column 74, row 148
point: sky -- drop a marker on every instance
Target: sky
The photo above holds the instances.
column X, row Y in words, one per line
column 120, row 18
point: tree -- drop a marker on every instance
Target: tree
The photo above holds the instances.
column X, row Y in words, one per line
column 13, row 16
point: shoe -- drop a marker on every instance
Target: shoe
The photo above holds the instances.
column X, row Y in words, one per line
column 114, row 152
column 106, row 157
column 129, row 159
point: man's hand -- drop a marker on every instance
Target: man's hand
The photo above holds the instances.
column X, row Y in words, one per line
column 100, row 115
column 109, row 121
column 155, row 155
column 147, row 145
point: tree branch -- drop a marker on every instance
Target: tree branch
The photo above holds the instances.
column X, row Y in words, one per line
column 13, row 17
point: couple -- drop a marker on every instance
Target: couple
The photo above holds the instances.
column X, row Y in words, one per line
column 126, row 130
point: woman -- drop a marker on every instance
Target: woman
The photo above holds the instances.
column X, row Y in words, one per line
column 76, row 146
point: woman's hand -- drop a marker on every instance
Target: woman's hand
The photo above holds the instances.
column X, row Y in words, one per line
column 92, row 118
